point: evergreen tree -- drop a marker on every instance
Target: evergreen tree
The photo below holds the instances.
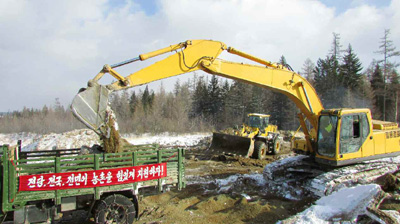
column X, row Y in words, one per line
column 224, row 118
column 177, row 87
column 147, row 99
column 282, row 110
column 214, row 98
column 45, row 110
column 255, row 104
column 237, row 102
column 377, row 84
column 282, row 61
column 327, row 81
column 393, row 97
column 350, row 71
column 199, row 99
column 133, row 100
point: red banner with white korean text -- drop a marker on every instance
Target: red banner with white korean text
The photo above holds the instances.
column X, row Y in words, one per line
column 94, row 178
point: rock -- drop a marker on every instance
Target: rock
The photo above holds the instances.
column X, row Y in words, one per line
column 381, row 216
column 95, row 149
column 391, row 182
column 222, row 158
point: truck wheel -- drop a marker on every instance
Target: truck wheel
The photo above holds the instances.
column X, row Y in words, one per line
column 277, row 146
column 260, row 149
column 115, row 208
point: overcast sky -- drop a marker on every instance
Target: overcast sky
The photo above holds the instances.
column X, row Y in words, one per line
column 50, row 49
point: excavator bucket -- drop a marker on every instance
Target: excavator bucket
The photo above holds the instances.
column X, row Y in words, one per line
column 233, row 144
column 90, row 107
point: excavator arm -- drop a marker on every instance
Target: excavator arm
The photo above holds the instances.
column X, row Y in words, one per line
column 91, row 104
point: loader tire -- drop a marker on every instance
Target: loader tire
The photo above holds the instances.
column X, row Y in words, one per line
column 115, row 208
column 277, row 146
column 260, row 149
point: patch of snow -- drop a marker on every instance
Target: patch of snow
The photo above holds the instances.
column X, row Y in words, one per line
column 237, row 183
column 167, row 139
column 67, row 140
column 271, row 169
column 281, row 183
column 12, row 139
column 225, row 185
column 344, row 205
column 86, row 137
column 363, row 173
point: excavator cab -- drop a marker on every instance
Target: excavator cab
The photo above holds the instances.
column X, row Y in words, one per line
column 344, row 136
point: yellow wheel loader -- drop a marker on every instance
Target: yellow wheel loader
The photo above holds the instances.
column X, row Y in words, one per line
column 255, row 139
column 335, row 137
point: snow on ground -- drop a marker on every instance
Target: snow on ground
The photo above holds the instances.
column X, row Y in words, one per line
column 343, row 205
column 344, row 192
column 348, row 176
column 11, row 139
column 167, row 139
column 86, row 137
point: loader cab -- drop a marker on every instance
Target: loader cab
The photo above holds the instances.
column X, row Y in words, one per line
column 341, row 135
column 260, row 121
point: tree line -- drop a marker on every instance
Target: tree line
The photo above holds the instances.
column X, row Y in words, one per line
column 205, row 103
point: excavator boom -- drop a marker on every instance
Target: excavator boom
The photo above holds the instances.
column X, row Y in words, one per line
column 337, row 136
column 90, row 106
column 328, row 140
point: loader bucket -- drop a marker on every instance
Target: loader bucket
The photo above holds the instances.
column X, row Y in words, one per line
column 90, row 107
column 233, row 144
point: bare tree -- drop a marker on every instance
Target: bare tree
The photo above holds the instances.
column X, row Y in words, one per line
column 336, row 46
column 307, row 70
column 387, row 49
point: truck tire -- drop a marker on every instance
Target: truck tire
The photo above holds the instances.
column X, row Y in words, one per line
column 260, row 149
column 276, row 148
column 115, row 208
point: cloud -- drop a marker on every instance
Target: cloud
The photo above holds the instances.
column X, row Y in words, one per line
column 50, row 49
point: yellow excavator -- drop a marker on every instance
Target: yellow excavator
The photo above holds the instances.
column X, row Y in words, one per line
column 336, row 136
column 256, row 138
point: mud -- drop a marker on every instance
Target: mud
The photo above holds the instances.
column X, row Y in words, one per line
column 207, row 200
column 113, row 142
column 227, row 189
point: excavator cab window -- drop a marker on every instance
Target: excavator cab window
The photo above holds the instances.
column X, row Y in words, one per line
column 327, row 135
column 353, row 132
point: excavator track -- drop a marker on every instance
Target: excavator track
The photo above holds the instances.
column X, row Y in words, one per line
column 301, row 176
